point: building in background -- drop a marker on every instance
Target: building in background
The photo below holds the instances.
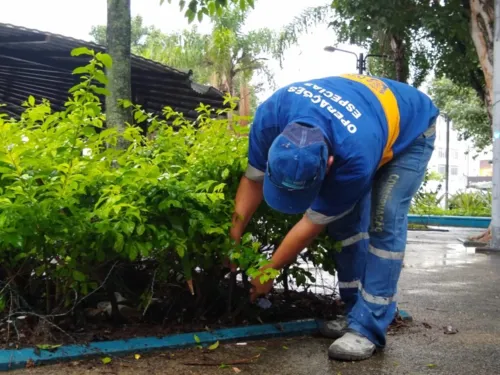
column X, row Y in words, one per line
column 468, row 169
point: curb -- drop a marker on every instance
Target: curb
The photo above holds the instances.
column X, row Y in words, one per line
column 450, row 221
column 487, row 250
column 19, row 358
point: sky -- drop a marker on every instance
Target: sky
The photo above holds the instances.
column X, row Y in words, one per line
column 306, row 61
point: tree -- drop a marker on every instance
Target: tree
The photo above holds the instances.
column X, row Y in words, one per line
column 451, row 36
column 138, row 34
column 236, row 56
column 211, row 8
column 184, row 50
column 228, row 58
column 119, row 74
column 465, row 109
column 380, row 27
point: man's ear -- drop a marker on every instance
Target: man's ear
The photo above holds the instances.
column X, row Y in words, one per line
column 329, row 164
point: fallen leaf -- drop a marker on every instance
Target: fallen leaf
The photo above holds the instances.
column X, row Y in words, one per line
column 236, row 370
column 106, row 360
column 137, row 356
column 47, row 347
column 197, row 339
column 431, row 365
column 214, row 346
column 30, row 363
column 285, row 347
column 222, row 366
column 427, row 325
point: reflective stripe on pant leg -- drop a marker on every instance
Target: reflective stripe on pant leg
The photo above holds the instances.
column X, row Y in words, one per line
column 393, row 189
column 349, row 288
column 352, row 232
column 350, row 263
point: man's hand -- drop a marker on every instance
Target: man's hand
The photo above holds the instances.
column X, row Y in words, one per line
column 259, row 289
column 299, row 237
column 248, row 199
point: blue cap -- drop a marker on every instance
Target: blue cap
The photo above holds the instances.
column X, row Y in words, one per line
column 296, row 168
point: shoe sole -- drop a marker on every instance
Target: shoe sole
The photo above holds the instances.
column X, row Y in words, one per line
column 349, row 356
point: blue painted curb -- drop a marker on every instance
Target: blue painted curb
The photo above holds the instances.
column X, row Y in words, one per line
column 16, row 359
column 405, row 316
column 450, row 221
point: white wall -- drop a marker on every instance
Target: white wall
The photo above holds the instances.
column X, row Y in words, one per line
column 464, row 160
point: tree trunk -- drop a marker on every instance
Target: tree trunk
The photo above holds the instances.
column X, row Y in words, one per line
column 482, row 30
column 398, row 50
column 119, row 75
column 244, row 103
column 482, row 23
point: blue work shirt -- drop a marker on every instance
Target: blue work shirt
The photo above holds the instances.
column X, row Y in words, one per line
column 367, row 121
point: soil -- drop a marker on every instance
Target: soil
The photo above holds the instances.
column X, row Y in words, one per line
column 180, row 315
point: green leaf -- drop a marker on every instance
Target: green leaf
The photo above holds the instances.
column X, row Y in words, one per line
column 31, row 100
column 81, row 70
column 137, row 115
column 225, row 173
column 128, row 227
column 214, row 346
column 78, row 276
column 48, row 347
column 211, row 8
column 82, row 51
column 197, row 339
column 133, row 252
column 119, row 242
column 101, row 91
column 101, row 77
column 105, row 59
column 88, row 131
column 140, row 229
column 126, row 103
column 190, row 15
column 106, row 360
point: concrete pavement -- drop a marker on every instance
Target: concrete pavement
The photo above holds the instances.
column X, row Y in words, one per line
column 442, row 284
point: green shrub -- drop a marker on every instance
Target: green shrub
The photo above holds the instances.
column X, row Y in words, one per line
column 471, row 203
column 73, row 206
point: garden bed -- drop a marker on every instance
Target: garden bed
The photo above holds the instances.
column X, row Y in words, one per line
column 178, row 312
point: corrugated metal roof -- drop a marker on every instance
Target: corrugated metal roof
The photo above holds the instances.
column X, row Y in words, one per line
column 39, row 63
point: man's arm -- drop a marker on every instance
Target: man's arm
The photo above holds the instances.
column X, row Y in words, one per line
column 299, row 237
column 248, row 198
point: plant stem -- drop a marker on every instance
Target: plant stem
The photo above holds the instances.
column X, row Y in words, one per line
column 285, row 282
column 48, row 306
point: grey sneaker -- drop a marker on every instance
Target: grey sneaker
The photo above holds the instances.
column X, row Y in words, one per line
column 351, row 347
column 333, row 329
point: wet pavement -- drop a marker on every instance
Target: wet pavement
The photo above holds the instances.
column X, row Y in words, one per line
column 442, row 284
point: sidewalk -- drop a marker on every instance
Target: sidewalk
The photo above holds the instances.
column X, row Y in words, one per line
column 441, row 285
